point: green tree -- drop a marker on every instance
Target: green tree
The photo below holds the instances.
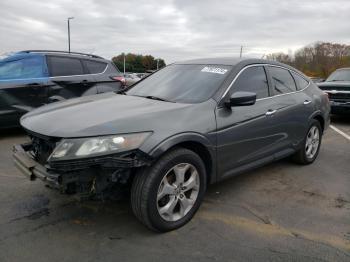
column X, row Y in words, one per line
column 137, row 63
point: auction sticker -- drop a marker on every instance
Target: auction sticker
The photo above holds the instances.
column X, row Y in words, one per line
column 215, row 70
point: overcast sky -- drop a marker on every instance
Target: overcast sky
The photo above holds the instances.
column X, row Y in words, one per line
column 173, row 29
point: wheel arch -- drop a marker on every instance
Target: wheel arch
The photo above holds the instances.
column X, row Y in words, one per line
column 318, row 116
column 194, row 142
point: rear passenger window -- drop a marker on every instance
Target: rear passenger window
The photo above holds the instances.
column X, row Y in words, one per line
column 282, row 80
column 65, row 66
column 252, row 79
column 95, row 67
column 300, row 81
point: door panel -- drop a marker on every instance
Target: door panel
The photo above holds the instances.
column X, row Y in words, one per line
column 17, row 97
column 72, row 86
column 245, row 134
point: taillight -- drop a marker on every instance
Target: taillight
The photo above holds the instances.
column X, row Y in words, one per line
column 120, row 79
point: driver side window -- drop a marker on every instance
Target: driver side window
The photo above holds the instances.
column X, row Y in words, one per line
column 252, row 79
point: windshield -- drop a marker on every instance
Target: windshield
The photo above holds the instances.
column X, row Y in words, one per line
column 182, row 83
column 340, row 75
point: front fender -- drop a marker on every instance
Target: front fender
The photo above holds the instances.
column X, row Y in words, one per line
column 191, row 137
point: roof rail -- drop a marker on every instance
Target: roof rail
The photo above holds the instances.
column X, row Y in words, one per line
column 60, row 52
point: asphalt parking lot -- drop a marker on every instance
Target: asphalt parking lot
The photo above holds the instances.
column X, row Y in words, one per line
column 281, row 212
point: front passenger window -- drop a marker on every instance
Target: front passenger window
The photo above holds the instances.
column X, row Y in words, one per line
column 252, row 79
column 282, row 80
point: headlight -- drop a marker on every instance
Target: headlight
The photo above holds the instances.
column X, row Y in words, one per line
column 94, row 146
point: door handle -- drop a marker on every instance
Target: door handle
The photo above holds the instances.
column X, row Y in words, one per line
column 270, row 112
column 306, row 102
column 84, row 82
column 34, row 85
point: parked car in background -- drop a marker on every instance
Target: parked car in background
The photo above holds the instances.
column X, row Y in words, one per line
column 169, row 137
column 317, row 79
column 337, row 86
column 131, row 78
column 142, row 75
column 29, row 79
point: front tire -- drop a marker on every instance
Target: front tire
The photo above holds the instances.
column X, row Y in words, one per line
column 166, row 195
column 308, row 153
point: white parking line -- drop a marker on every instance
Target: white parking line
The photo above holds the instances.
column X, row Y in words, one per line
column 340, row 132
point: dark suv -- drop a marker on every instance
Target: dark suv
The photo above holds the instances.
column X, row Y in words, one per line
column 337, row 86
column 188, row 125
column 29, row 79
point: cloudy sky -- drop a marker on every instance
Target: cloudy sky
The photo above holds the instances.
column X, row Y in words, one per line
column 173, row 29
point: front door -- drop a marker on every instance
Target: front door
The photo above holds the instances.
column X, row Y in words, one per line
column 23, row 87
column 244, row 133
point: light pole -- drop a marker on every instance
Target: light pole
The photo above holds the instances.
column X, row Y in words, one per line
column 68, row 20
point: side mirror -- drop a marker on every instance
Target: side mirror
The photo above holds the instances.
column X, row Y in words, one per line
column 241, row 99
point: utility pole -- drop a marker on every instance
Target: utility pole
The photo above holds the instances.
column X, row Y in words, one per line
column 124, row 63
column 68, row 20
column 157, row 64
column 241, row 53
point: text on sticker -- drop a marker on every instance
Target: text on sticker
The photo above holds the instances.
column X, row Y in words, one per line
column 215, row 70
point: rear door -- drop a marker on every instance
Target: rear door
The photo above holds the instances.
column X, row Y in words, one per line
column 291, row 108
column 69, row 78
column 244, row 133
column 23, row 87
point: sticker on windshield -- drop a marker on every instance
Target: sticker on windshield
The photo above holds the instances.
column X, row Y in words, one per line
column 215, row 70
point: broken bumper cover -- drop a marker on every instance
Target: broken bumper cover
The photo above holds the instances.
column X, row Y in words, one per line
column 80, row 175
column 32, row 169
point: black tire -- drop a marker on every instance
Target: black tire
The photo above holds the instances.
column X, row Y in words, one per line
column 300, row 156
column 147, row 181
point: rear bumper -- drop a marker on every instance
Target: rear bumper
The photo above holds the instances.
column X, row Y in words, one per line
column 32, row 169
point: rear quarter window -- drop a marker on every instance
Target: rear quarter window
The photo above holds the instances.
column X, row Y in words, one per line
column 300, row 81
column 282, row 80
column 65, row 66
column 95, row 67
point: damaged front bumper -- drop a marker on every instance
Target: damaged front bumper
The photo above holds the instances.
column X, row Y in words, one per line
column 86, row 177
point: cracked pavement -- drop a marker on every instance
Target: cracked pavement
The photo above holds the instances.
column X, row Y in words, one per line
column 280, row 212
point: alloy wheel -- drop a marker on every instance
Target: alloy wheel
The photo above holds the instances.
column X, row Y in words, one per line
column 178, row 192
column 312, row 142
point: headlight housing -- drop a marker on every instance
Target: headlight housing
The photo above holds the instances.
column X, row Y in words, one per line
column 75, row 148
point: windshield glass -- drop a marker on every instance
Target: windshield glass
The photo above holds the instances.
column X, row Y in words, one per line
column 182, row 83
column 340, row 75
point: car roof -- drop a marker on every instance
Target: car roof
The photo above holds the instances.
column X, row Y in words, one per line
column 229, row 61
column 18, row 55
column 28, row 53
column 344, row 68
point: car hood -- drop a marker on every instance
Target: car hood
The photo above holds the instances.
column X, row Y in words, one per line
column 102, row 114
column 339, row 86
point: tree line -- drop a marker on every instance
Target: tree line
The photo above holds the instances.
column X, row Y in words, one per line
column 318, row 59
column 137, row 63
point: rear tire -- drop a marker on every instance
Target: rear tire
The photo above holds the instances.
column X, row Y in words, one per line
column 161, row 199
column 311, row 144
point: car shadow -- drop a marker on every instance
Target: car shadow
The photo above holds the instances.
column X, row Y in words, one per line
column 340, row 119
column 11, row 132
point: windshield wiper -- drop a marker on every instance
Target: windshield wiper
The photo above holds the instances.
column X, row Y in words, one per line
column 121, row 92
column 158, row 98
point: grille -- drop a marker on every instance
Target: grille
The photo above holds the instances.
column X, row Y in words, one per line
column 339, row 96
